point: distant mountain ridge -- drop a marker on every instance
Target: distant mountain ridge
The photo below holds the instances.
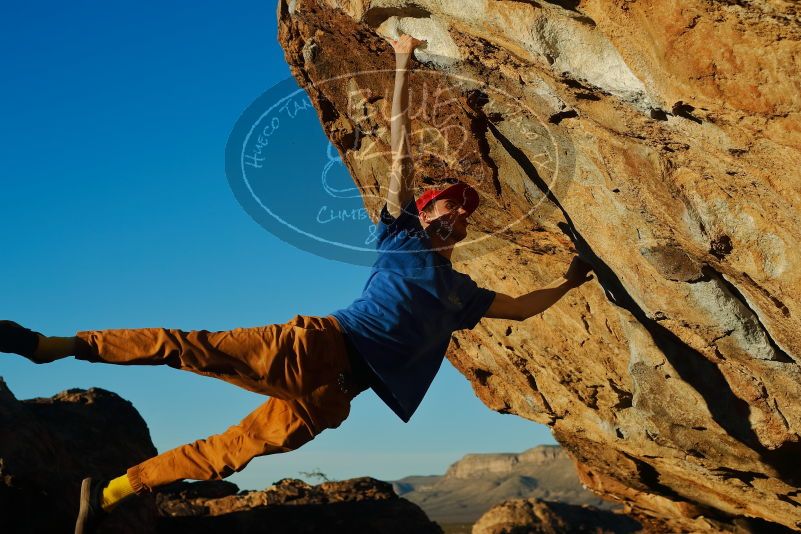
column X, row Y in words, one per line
column 474, row 484
column 475, row 465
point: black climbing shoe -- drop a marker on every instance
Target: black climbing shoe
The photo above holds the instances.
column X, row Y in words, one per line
column 18, row 339
column 90, row 513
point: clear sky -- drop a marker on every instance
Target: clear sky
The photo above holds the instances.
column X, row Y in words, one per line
column 116, row 213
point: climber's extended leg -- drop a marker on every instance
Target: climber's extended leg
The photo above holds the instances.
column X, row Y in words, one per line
column 280, row 360
column 274, row 427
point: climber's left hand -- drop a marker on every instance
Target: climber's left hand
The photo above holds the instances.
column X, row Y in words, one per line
column 406, row 44
column 578, row 271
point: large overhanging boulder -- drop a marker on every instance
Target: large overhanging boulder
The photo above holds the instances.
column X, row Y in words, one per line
column 660, row 139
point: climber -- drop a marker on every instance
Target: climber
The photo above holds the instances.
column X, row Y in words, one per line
column 392, row 339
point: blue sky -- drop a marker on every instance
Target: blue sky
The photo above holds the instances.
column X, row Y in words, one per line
column 116, row 213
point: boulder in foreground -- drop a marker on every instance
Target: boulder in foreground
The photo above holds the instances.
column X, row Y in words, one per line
column 359, row 505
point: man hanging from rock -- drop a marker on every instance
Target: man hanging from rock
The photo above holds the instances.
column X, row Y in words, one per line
column 391, row 339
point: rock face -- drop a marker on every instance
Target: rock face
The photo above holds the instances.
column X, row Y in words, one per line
column 478, row 481
column 533, row 516
column 291, row 506
column 660, row 139
column 48, row 445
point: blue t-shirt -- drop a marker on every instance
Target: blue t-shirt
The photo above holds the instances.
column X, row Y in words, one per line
column 411, row 304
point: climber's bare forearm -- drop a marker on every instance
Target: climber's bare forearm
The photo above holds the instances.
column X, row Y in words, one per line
column 400, row 101
column 401, row 174
column 538, row 301
column 528, row 305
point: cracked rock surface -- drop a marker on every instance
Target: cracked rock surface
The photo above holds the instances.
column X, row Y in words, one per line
column 662, row 141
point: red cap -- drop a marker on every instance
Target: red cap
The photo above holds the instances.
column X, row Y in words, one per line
column 460, row 192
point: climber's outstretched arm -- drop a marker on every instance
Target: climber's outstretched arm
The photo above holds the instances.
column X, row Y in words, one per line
column 525, row 306
column 401, row 188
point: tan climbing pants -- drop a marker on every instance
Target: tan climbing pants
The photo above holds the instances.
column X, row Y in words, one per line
column 302, row 365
